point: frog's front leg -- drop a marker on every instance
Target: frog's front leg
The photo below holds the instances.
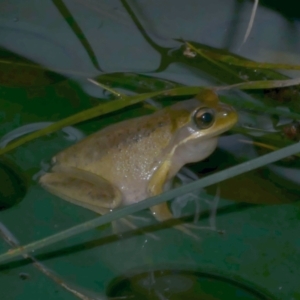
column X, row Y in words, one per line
column 82, row 188
column 161, row 211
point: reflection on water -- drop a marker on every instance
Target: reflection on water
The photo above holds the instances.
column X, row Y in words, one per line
column 174, row 285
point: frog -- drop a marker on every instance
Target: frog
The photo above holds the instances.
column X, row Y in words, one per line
column 137, row 158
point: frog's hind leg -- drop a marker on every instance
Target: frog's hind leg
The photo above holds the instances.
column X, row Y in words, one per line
column 82, row 188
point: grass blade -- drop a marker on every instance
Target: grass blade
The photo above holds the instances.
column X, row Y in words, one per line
column 131, row 209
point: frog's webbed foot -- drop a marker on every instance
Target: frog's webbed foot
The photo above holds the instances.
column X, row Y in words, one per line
column 210, row 204
column 82, row 188
column 132, row 226
column 162, row 213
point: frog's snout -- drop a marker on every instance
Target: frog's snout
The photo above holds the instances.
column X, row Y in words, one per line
column 227, row 116
column 227, row 111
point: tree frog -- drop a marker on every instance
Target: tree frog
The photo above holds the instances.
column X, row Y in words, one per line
column 130, row 161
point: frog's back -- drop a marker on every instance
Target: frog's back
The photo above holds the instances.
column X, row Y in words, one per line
column 124, row 153
column 128, row 153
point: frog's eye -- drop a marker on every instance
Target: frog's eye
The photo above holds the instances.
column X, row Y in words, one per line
column 204, row 117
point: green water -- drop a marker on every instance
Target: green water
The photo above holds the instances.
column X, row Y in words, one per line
column 48, row 52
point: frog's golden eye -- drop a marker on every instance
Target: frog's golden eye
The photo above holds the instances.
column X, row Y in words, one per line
column 204, row 117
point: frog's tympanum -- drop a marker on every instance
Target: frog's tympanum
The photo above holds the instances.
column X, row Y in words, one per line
column 132, row 160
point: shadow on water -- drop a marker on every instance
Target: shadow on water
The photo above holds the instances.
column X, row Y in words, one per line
column 13, row 186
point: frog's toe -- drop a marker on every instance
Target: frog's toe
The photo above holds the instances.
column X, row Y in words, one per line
column 183, row 228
